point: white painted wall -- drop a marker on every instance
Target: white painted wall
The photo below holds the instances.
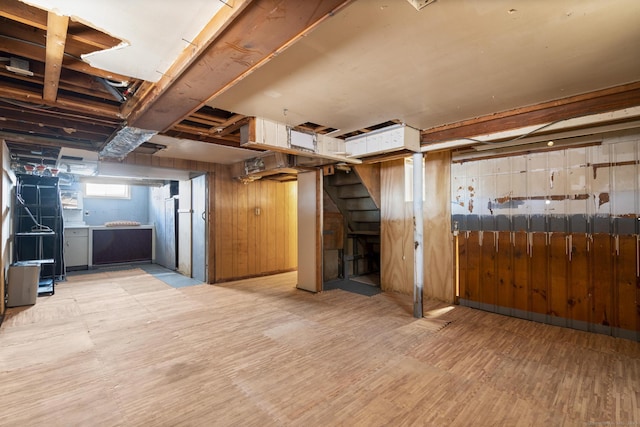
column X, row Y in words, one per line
column 612, row 189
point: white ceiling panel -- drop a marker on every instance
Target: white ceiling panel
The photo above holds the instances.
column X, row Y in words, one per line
column 201, row 151
column 154, row 32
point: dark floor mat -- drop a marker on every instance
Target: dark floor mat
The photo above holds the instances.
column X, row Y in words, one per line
column 352, row 286
column 170, row 277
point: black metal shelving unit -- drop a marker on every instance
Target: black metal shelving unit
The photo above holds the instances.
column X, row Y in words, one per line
column 38, row 228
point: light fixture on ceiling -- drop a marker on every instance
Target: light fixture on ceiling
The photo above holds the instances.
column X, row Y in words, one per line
column 18, row 66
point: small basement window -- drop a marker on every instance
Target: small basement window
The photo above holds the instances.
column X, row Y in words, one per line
column 111, row 191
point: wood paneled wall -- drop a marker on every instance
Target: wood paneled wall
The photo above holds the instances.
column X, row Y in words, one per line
column 438, row 264
column 396, row 230
column 396, row 238
column 588, row 282
column 248, row 242
column 370, row 177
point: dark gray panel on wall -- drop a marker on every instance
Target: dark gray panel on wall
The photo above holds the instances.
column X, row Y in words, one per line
column 473, row 223
column 487, row 222
column 503, row 223
column 520, row 223
column 461, row 220
column 538, row 223
column 557, row 224
column 627, row 225
column 602, row 224
column 578, row 224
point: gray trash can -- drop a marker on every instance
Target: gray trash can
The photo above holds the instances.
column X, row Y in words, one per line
column 23, row 284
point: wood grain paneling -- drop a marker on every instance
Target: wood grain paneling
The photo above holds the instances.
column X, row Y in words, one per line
column 256, row 226
column 539, row 272
column 396, row 231
column 557, row 284
column 626, row 283
column 370, row 177
column 474, row 253
column 601, row 307
column 488, row 282
column 579, row 279
column 521, row 275
column 396, row 215
column 504, row 270
column 252, row 237
column 438, row 275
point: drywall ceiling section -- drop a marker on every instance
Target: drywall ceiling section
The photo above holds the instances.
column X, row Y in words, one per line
column 201, row 151
column 154, row 33
column 378, row 60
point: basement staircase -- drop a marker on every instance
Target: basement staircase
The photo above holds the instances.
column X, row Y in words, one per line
column 361, row 248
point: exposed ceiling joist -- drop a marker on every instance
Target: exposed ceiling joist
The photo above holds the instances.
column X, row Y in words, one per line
column 38, row 53
column 67, row 101
column 56, row 39
column 354, row 73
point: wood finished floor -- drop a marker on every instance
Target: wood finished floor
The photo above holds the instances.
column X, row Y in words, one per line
column 125, row 349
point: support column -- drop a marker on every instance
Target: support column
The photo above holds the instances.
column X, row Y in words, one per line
column 418, row 221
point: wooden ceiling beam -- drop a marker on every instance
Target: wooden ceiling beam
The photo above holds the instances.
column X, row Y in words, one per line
column 601, row 101
column 260, row 32
column 82, row 106
column 204, row 120
column 69, row 81
column 233, row 127
column 199, row 132
column 22, row 12
column 69, row 125
column 173, row 132
column 38, row 53
column 56, row 40
column 222, row 127
column 32, row 16
column 41, row 129
column 37, row 36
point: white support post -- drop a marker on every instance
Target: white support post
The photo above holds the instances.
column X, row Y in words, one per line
column 418, row 263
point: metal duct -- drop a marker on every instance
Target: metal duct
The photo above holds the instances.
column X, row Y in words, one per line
column 125, row 141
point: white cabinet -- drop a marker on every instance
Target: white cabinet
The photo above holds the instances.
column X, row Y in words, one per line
column 76, row 247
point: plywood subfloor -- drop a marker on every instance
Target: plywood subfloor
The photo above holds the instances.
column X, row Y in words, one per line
column 123, row 348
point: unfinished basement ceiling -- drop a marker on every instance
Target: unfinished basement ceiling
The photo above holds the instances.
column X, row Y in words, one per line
column 152, row 37
column 349, row 67
column 378, row 60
